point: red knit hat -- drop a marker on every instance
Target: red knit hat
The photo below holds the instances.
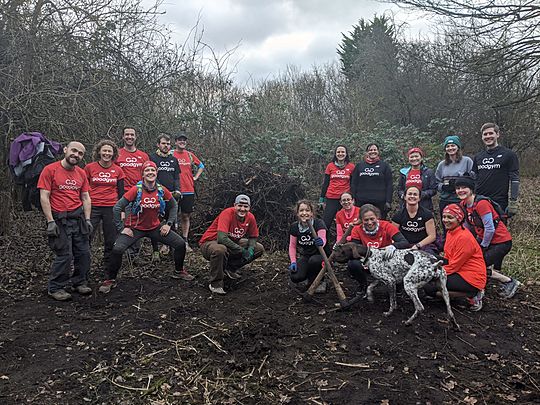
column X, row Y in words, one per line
column 456, row 211
column 149, row 163
column 415, row 150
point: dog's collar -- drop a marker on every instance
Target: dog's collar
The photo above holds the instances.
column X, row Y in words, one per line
column 368, row 255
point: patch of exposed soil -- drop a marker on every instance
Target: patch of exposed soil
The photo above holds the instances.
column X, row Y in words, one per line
column 156, row 340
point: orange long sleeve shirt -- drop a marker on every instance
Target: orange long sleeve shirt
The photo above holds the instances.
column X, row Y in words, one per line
column 465, row 257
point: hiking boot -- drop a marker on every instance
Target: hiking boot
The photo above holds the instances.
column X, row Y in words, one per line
column 182, row 275
column 321, row 288
column 156, row 257
column 107, row 286
column 509, row 289
column 217, row 290
column 164, row 250
column 476, row 301
column 60, row 295
column 83, row 289
column 233, row 275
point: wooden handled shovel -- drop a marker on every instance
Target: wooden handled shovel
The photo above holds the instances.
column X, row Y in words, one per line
column 326, row 269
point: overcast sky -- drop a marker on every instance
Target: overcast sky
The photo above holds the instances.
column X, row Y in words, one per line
column 272, row 34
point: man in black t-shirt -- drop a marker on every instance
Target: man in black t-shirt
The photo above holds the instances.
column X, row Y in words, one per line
column 497, row 170
column 167, row 165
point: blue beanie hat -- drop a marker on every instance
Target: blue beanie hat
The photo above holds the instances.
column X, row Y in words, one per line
column 452, row 139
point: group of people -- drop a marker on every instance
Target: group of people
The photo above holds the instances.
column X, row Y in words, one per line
column 135, row 195
column 476, row 197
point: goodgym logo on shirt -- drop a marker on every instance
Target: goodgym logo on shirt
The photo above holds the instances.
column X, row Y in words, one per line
column 340, row 174
column 305, row 240
column 373, row 244
column 412, row 226
column 489, row 164
column 237, row 233
column 369, row 171
column 131, row 162
column 69, row 184
column 103, row 177
column 165, row 167
column 150, row 202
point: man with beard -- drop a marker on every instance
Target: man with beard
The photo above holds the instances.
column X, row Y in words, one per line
column 130, row 159
column 66, row 204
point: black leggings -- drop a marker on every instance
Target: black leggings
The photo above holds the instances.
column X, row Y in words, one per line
column 307, row 267
column 124, row 241
column 495, row 253
column 454, row 282
column 331, row 208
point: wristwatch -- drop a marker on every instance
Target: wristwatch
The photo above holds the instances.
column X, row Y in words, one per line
column 169, row 223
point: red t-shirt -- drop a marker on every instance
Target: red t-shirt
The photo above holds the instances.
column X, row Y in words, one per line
column 465, row 257
column 65, row 186
column 414, row 178
column 343, row 221
column 186, row 175
column 131, row 163
column 482, row 208
column 103, row 181
column 381, row 239
column 148, row 217
column 339, row 179
column 227, row 221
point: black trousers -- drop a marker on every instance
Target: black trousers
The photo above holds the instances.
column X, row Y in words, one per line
column 105, row 216
column 454, row 282
column 124, row 241
column 495, row 253
column 307, row 267
column 359, row 272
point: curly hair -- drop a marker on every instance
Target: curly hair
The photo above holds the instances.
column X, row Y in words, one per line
column 97, row 148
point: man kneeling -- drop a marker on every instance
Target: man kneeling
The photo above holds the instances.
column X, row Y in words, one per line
column 231, row 242
column 149, row 200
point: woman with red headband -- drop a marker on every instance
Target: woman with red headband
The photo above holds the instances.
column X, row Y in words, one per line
column 466, row 269
column 149, row 200
column 417, row 174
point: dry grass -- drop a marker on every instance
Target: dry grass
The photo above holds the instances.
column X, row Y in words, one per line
column 523, row 259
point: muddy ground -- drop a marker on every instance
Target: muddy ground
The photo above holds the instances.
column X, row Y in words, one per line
column 154, row 340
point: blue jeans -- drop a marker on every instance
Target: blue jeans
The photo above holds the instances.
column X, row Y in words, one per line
column 74, row 248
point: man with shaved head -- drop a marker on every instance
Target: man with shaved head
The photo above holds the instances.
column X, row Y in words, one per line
column 65, row 201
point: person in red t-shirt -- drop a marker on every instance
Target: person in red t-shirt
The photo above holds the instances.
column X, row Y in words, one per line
column 465, row 266
column 106, row 181
column 186, row 160
column 231, row 242
column 490, row 232
column 373, row 232
column 149, row 200
column 346, row 216
column 66, row 204
column 337, row 180
column 419, row 175
column 130, row 159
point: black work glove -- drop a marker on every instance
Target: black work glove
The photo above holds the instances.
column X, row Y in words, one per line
column 90, row 226
column 52, row 229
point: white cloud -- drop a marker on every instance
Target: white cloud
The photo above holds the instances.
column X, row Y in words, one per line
column 273, row 34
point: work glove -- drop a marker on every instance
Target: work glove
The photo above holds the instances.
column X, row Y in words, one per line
column 177, row 194
column 389, row 252
column 52, row 229
column 292, row 267
column 90, row 226
column 512, row 208
column 247, row 253
column 318, row 241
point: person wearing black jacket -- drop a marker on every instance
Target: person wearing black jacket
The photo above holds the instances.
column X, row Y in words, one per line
column 167, row 165
column 497, row 170
column 371, row 181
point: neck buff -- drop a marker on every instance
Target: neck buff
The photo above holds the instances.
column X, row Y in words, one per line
column 304, row 227
column 339, row 165
column 371, row 161
column 160, row 153
column 371, row 233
